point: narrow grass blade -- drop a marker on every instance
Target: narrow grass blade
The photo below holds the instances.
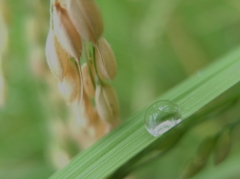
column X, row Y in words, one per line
column 129, row 139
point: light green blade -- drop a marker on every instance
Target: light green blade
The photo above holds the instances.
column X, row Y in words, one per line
column 129, row 139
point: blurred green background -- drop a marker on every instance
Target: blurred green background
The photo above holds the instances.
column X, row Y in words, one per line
column 158, row 44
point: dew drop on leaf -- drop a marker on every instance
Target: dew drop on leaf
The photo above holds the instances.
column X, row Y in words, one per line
column 162, row 116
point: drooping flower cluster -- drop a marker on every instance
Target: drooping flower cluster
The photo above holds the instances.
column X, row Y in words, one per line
column 82, row 61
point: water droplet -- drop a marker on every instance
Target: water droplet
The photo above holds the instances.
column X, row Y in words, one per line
column 162, row 116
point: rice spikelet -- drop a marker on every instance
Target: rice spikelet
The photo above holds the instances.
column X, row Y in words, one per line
column 71, row 21
column 87, row 19
column 70, row 86
column 107, row 103
column 57, row 58
column 105, row 60
column 66, row 32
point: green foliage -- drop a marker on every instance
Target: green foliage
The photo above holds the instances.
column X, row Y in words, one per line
column 158, row 44
column 131, row 138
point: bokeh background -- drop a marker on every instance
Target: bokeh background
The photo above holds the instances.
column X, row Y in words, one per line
column 157, row 43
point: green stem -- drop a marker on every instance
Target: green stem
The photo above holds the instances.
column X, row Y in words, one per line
column 99, row 81
column 90, row 57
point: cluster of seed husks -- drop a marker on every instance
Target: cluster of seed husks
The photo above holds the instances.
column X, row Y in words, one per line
column 82, row 61
column 3, row 48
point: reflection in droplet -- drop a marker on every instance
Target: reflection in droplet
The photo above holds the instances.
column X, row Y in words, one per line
column 162, row 116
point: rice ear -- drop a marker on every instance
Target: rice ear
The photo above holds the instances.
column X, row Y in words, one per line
column 105, row 60
column 74, row 23
column 66, row 32
column 87, row 19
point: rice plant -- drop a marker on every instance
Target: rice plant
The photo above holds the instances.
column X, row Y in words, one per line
column 119, row 89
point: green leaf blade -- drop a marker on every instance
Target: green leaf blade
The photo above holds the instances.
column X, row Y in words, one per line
column 129, row 139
